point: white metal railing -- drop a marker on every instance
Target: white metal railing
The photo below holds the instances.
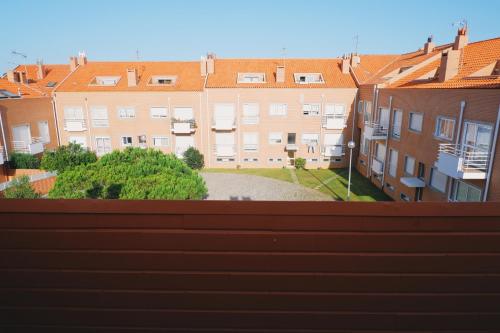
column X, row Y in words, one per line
column 471, row 159
column 378, row 129
column 33, row 147
column 250, row 120
column 333, row 150
column 75, row 124
column 225, row 150
column 100, row 122
column 191, row 122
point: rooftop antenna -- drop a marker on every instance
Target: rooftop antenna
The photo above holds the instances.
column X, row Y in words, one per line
column 356, row 43
column 283, row 55
column 14, row 52
column 137, row 54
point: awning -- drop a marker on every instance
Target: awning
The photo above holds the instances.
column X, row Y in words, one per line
column 412, row 182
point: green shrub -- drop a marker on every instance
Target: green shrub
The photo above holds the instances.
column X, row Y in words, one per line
column 20, row 188
column 300, row 163
column 67, row 157
column 193, row 158
column 131, row 174
column 23, row 161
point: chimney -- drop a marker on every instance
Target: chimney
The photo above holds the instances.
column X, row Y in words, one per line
column 12, row 77
column 211, row 63
column 23, row 78
column 450, row 63
column 280, row 74
column 461, row 39
column 40, row 72
column 203, row 66
column 355, row 60
column 73, row 63
column 82, row 59
column 345, row 65
column 429, row 46
column 132, row 77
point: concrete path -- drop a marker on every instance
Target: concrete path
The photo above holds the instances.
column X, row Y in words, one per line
column 293, row 174
column 227, row 186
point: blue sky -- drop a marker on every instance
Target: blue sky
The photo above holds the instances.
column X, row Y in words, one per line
column 186, row 29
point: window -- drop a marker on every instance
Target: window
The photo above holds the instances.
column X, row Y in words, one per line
column 251, row 77
column 445, row 128
column 389, row 187
column 311, row 109
column 250, row 142
column 73, row 113
column 43, row 130
column 160, row 141
column 250, row 114
column 183, row 113
column 79, row 140
column 393, row 162
column 477, row 137
column 105, row 80
column 126, row 141
column 438, row 180
column 126, row 112
column 360, row 106
column 367, row 116
column 365, row 145
column 246, row 159
column 465, row 192
column 162, row 80
column 142, row 139
column 275, row 137
column 404, row 197
column 99, row 115
column 307, row 78
column 103, row 145
column 396, row 123
column 416, row 120
column 409, row 165
column 291, row 138
column 421, row 170
column 310, row 138
column 278, row 109
column 158, row 112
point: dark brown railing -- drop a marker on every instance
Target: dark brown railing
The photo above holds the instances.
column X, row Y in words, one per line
column 159, row 266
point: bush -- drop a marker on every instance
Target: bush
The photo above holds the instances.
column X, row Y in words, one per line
column 300, row 163
column 193, row 158
column 20, row 188
column 23, row 161
column 67, row 157
column 131, row 174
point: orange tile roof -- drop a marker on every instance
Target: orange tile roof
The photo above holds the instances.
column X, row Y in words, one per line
column 371, row 64
column 188, row 76
column 475, row 56
column 226, row 73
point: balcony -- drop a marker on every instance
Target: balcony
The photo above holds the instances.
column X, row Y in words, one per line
column 334, row 150
column 375, row 131
column 225, row 150
column 377, row 166
column 184, row 126
column 458, row 162
column 334, row 122
column 2, row 155
column 224, row 124
column 34, row 147
column 75, row 125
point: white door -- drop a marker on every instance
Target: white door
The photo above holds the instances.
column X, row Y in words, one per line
column 103, row 145
column 384, row 117
column 43, row 129
column 477, row 137
column 183, row 113
column 22, row 133
column 182, row 143
column 381, row 152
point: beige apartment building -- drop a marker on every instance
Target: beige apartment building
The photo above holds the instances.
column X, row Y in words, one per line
column 429, row 123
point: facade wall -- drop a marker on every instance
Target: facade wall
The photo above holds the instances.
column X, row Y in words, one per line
column 482, row 106
column 28, row 111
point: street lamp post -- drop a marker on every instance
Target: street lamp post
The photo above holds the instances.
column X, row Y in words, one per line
column 351, row 145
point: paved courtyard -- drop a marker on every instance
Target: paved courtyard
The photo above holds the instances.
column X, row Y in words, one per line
column 225, row 186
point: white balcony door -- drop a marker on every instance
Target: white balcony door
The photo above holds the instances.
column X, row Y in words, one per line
column 183, row 113
column 224, row 144
column 182, row 143
column 43, row 129
column 22, row 133
column 380, row 154
column 384, row 117
column 477, row 137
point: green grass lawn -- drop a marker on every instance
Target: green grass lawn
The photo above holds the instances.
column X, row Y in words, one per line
column 331, row 182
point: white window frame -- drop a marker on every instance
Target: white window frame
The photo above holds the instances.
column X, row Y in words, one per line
column 407, row 158
column 311, row 109
column 393, row 167
column 278, row 109
column 100, row 153
column 99, row 122
column 253, row 146
column 432, row 178
column 469, row 187
column 308, row 76
column 394, row 134
column 128, row 114
column 313, row 140
column 161, row 138
column 44, row 122
column 410, row 118
column 105, row 81
column 250, row 118
column 439, row 125
column 274, row 141
column 251, row 78
column 123, row 144
column 158, row 115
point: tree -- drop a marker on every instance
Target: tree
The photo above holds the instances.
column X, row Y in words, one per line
column 300, row 163
column 21, row 188
column 131, row 174
column 193, row 158
column 67, row 157
column 23, row 161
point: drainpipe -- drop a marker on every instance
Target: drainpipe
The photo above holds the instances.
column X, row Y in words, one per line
column 4, row 139
column 492, row 157
column 354, row 117
column 387, row 142
column 54, row 111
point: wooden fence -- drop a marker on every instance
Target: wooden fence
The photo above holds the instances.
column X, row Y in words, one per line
column 158, row 266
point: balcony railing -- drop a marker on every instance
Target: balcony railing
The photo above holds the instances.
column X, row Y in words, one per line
column 75, row 125
column 225, row 150
column 461, row 162
column 183, row 126
column 334, row 121
column 377, row 166
column 333, row 150
column 224, row 124
column 375, row 131
column 33, row 147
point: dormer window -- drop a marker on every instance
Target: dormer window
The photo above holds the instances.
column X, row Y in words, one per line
column 396, row 72
column 308, row 78
column 162, row 80
column 105, row 81
column 251, row 77
column 492, row 69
